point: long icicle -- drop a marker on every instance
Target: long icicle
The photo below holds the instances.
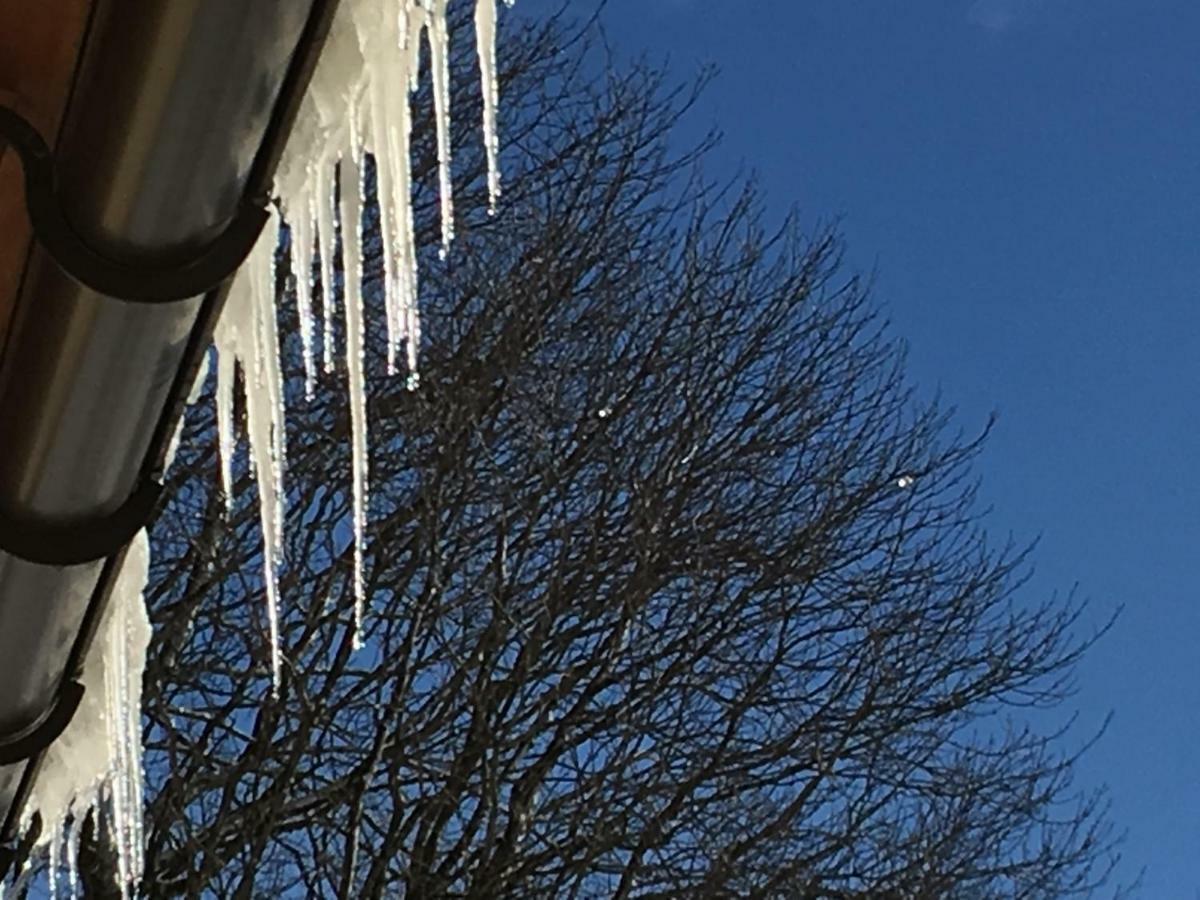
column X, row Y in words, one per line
column 247, row 334
column 489, row 83
column 401, row 161
column 323, row 211
column 439, row 64
column 302, row 260
column 351, row 207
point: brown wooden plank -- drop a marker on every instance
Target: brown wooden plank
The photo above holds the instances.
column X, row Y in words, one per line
column 39, row 43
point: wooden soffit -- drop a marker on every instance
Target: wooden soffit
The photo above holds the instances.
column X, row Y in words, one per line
column 40, row 41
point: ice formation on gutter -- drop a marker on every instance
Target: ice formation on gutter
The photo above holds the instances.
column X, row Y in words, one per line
column 358, row 104
column 97, row 762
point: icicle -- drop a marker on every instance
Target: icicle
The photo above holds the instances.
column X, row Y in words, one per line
column 52, row 864
column 439, row 64
column 260, row 408
column 410, row 49
column 384, row 44
column 323, row 203
column 485, row 42
column 73, row 855
column 351, row 184
column 302, row 241
column 123, row 714
column 116, row 751
column 247, row 333
column 268, row 332
column 225, row 383
column 380, row 128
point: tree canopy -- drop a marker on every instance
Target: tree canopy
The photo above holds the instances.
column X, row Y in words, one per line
column 675, row 587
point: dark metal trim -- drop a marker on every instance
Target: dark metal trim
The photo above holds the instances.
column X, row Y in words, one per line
column 83, row 541
column 211, row 266
column 28, row 744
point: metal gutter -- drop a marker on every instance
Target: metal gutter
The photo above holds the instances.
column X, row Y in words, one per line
column 178, row 114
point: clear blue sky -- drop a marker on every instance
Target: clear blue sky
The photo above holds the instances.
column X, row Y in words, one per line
column 1025, row 177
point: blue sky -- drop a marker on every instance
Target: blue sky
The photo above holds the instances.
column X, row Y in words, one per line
column 1024, row 177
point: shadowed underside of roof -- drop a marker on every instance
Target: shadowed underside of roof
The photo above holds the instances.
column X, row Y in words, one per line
column 39, row 44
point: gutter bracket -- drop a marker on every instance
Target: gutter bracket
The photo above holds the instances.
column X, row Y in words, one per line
column 30, row 742
column 81, row 541
column 210, row 267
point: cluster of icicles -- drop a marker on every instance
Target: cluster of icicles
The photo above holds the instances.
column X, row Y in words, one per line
column 351, row 110
column 358, row 103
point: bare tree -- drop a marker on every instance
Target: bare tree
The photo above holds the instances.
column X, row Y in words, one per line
column 675, row 588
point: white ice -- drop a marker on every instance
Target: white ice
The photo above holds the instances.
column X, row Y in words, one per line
column 359, row 103
column 97, row 762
